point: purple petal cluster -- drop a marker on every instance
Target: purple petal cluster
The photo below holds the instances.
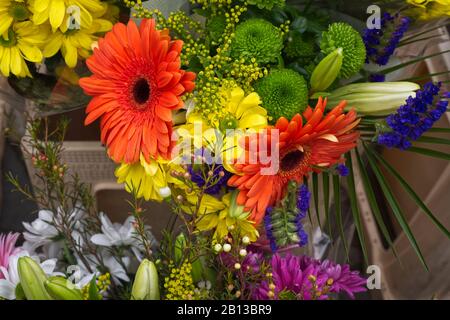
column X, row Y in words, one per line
column 308, row 279
column 381, row 43
column 342, row 170
column 414, row 118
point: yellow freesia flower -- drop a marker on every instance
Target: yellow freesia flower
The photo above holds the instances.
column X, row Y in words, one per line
column 225, row 216
column 76, row 42
column 60, row 13
column 149, row 180
column 19, row 43
column 429, row 9
column 11, row 11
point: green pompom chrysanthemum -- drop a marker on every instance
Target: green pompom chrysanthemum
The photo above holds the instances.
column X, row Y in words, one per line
column 257, row 38
column 267, row 4
column 298, row 46
column 342, row 35
column 284, row 93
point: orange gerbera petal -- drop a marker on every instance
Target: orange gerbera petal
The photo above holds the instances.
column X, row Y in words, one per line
column 322, row 139
column 136, row 84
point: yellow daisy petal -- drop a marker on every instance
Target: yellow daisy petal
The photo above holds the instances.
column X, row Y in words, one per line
column 70, row 54
column 4, row 64
column 32, row 54
column 16, row 61
column 5, row 22
column 249, row 101
column 53, row 46
column 253, row 121
column 41, row 5
column 56, row 13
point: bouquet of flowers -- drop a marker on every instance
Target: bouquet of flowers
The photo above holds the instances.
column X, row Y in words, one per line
column 231, row 113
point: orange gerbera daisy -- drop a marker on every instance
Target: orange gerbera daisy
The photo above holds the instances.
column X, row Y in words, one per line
column 136, row 84
column 301, row 148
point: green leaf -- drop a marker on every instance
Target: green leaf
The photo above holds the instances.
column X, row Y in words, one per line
column 355, row 209
column 445, row 130
column 429, row 152
column 371, row 198
column 338, row 207
column 326, row 200
column 412, row 193
column 94, row 293
column 394, row 206
column 426, row 76
column 404, row 43
column 407, row 63
column 422, row 32
column 428, row 139
column 315, row 180
column 299, row 24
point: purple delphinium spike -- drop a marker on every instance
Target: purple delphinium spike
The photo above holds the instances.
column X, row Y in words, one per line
column 381, row 43
column 414, row 118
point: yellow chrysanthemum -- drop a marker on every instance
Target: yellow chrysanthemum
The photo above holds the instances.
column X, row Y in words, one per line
column 150, row 180
column 241, row 113
column 429, row 9
column 60, row 13
column 19, row 43
column 11, row 11
column 75, row 42
column 228, row 216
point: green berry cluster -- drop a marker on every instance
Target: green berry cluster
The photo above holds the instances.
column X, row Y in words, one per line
column 179, row 284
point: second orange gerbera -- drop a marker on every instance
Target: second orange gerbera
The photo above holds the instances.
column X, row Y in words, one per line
column 319, row 142
column 136, row 84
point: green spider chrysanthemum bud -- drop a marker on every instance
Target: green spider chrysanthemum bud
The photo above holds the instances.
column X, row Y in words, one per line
column 267, row 4
column 216, row 26
column 284, row 93
column 342, row 35
column 298, row 46
column 257, row 38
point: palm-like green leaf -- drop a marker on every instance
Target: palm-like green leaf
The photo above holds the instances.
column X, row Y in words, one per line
column 394, row 205
column 435, row 140
column 371, row 198
column 354, row 207
column 430, row 153
column 338, row 208
column 326, row 200
column 412, row 193
column 315, row 180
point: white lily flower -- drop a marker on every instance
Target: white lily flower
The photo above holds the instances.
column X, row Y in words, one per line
column 11, row 274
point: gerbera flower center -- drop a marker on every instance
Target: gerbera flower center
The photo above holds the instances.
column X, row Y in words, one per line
column 291, row 160
column 19, row 11
column 141, row 91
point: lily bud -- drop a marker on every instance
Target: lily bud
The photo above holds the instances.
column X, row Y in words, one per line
column 180, row 244
column 62, row 289
column 145, row 285
column 375, row 98
column 327, row 71
column 32, row 279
